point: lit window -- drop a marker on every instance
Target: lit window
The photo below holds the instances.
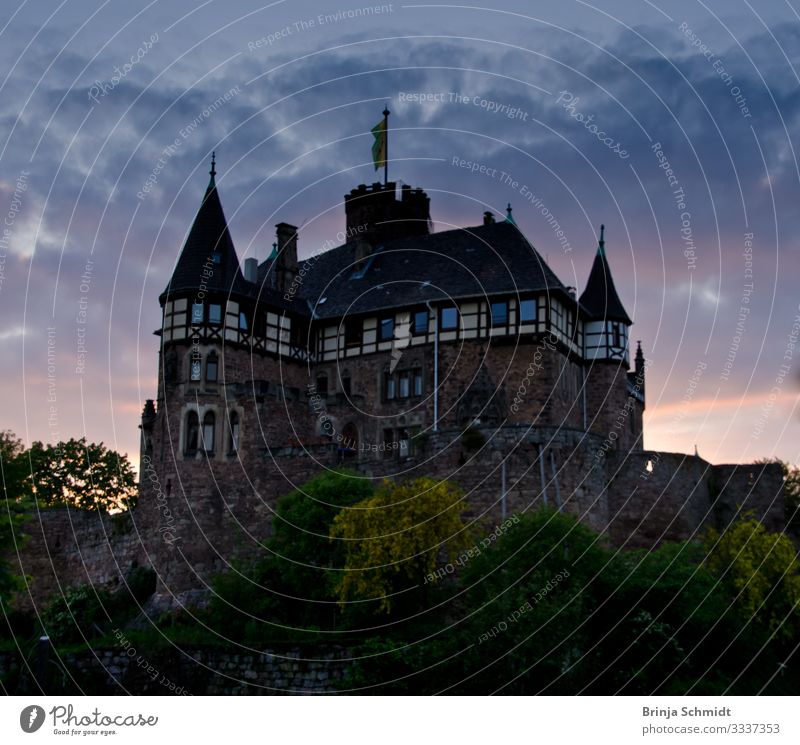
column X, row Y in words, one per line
column 417, row 381
column 196, row 367
column 212, row 368
column 421, row 322
column 389, row 386
column 527, row 311
column 208, row 432
column 233, row 424
column 404, row 385
column 192, row 427
column 197, row 312
column 215, row 313
column 216, row 257
column 449, row 318
column 387, row 329
column 499, row 314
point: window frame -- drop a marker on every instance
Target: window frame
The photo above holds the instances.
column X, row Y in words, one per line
column 494, row 322
column 415, row 329
column 381, row 322
column 442, row 311
column 534, row 304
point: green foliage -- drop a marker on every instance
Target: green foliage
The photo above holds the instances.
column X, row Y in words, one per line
column 292, row 586
column 760, row 572
column 393, row 539
column 82, row 474
column 15, row 507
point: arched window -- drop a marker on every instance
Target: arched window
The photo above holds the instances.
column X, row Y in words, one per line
column 212, row 368
column 208, row 432
column 192, row 431
column 195, row 365
column 233, row 427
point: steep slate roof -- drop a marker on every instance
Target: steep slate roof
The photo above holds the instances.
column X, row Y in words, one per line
column 209, row 234
column 600, row 297
column 468, row 262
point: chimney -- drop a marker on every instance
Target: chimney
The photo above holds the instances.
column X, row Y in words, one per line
column 251, row 270
column 286, row 265
column 488, row 218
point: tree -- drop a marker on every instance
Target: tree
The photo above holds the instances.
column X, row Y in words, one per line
column 761, row 573
column 14, row 508
column 81, row 474
column 395, row 538
column 293, row 584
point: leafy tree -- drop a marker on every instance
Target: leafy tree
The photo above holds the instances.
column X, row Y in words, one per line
column 14, row 507
column 761, row 573
column 82, row 474
column 293, row 583
column 394, row 539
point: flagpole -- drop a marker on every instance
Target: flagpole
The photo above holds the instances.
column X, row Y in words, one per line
column 386, row 150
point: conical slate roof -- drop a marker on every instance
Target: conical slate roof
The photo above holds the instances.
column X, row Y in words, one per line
column 208, row 260
column 600, row 297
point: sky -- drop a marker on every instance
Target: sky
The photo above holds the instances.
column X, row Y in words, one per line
column 674, row 124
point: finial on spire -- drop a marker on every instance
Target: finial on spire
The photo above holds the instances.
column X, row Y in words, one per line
column 509, row 216
column 213, row 171
column 386, row 111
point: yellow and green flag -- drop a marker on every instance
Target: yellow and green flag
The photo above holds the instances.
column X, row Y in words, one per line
column 379, row 146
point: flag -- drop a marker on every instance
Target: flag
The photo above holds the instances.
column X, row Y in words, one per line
column 379, row 146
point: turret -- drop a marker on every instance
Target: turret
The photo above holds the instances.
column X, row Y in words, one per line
column 606, row 328
column 375, row 215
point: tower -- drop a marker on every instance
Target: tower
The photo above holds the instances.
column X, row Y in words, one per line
column 614, row 403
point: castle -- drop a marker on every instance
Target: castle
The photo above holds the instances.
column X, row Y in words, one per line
column 456, row 354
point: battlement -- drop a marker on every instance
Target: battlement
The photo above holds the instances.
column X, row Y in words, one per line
column 375, row 215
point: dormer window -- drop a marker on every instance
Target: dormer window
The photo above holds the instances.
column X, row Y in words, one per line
column 216, row 257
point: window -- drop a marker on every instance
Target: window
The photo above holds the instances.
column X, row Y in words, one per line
column 192, row 428
column 215, row 313
column 322, row 385
column 212, row 368
column 499, row 314
column 403, row 442
column 346, row 383
column 197, row 312
column 216, row 257
column 389, row 386
column 420, row 322
column 449, row 319
column 243, row 325
column 386, row 329
column 404, row 385
column 195, row 367
column 527, row 311
column 616, row 334
column 353, row 328
column 208, row 432
column 233, row 426
column 388, row 443
column 417, row 374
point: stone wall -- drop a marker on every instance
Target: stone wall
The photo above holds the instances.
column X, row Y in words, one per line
column 176, row 672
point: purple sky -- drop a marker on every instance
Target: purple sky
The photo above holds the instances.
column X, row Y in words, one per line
column 86, row 251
